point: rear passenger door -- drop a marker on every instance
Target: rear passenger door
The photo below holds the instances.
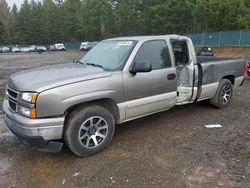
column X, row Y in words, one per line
column 153, row 91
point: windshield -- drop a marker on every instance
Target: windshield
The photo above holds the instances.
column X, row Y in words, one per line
column 109, row 54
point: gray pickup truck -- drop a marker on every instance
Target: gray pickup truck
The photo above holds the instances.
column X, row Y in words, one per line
column 119, row 80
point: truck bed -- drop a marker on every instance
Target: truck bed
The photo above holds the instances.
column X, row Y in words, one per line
column 206, row 59
column 215, row 68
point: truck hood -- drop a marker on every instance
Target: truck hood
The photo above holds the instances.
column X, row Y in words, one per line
column 43, row 78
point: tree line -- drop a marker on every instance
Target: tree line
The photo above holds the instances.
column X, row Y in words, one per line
column 50, row 21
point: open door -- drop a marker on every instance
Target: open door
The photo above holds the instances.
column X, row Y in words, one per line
column 185, row 71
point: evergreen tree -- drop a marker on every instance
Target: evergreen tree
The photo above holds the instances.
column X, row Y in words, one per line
column 5, row 22
column 51, row 21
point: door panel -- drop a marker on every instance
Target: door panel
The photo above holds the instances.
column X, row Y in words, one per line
column 153, row 91
column 150, row 92
column 185, row 71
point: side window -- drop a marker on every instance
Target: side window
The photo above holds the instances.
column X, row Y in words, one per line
column 180, row 52
column 156, row 52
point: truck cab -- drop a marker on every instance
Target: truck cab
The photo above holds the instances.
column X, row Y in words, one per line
column 60, row 47
column 85, row 46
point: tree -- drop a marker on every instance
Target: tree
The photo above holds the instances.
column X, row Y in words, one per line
column 51, row 21
column 5, row 22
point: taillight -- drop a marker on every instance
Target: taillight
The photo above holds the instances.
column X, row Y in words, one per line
column 245, row 68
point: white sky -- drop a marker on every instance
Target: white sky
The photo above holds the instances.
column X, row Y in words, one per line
column 17, row 2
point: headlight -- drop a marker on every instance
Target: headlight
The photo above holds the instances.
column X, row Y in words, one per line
column 28, row 97
column 27, row 111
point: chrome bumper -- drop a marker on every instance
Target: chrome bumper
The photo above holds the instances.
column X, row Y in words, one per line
column 47, row 128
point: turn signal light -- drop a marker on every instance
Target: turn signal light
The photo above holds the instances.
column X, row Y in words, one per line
column 33, row 113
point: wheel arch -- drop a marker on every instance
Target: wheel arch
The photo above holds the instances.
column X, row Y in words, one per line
column 231, row 78
column 107, row 103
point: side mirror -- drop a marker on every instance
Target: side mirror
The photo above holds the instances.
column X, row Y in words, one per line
column 141, row 66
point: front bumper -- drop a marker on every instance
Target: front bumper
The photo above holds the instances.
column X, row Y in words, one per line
column 36, row 132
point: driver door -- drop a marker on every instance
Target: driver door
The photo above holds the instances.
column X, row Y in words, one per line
column 150, row 92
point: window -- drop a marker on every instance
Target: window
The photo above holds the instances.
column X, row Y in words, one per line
column 109, row 54
column 180, row 52
column 156, row 52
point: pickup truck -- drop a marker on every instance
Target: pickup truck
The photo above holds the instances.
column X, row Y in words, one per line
column 120, row 79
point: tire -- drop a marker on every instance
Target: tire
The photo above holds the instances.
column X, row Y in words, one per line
column 89, row 130
column 223, row 94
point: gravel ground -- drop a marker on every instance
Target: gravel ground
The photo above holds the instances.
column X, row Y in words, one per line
column 169, row 149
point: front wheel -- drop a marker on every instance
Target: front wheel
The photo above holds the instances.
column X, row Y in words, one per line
column 89, row 130
column 223, row 94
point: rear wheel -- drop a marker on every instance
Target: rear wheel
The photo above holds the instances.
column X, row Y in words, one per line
column 89, row 130
column 223, row 94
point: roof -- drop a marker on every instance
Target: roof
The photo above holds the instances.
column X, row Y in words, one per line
column 149, row 37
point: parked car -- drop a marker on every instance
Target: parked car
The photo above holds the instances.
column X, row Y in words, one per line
column 119, row 80
column 25, row 49
column 205, row 51
column 85, row 46
column 32, row 48
column 1, row 51
column 51, row 48
column 28, row 49
column 41, row 49
column 5, row 49
column 15, row 49
column 60, row 47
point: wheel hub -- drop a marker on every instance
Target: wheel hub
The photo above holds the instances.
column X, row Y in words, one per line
column 92, row 130
column 225, row 94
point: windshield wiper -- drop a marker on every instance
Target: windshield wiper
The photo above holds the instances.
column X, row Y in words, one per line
column 95, row 65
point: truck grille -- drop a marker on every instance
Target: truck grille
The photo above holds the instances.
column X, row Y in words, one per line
column 12, row 98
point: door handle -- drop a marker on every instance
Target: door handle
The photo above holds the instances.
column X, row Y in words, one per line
column 171, row 76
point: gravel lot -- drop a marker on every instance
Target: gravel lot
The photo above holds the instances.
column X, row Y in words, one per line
column 169, row 149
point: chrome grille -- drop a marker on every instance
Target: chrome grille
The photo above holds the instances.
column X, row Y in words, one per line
column 12, row 93
column 12, row 98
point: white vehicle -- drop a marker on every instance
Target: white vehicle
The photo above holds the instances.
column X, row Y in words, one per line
column 15, row 49
column 25, row 49
column 41, row 48
column 85, row 46
column 5, row 49
column 60, row 47
column 28, row 49
column 32, row 48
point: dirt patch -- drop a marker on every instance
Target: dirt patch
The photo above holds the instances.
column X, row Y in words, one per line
column 232, row 52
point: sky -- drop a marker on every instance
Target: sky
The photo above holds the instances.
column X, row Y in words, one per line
column 17, row 2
